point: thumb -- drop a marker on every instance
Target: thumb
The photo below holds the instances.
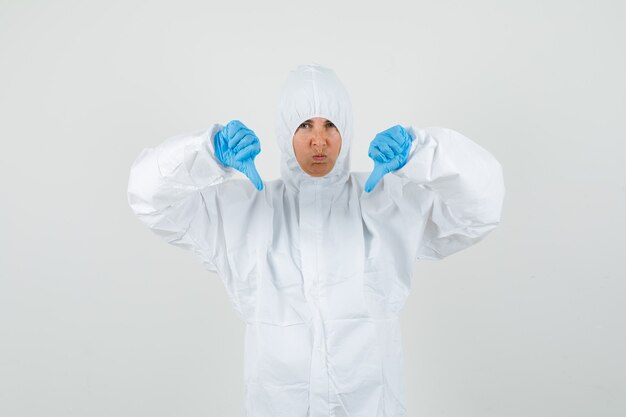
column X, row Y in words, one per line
column 377, row 173
column 249, row 169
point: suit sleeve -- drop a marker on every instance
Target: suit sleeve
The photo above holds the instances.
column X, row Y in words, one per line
column 463, row 186
column 170, row 190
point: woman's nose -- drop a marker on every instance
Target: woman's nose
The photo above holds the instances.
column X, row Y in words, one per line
column 318, row 139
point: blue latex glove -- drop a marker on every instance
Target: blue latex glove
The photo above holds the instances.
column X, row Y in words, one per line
column 390, row 151
column 236, row 146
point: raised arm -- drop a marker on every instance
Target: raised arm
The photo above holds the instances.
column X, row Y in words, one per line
column 466, row 184
column 447, row 179
column 173, row 189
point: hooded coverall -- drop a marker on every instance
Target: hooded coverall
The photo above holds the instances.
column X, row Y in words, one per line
column 318, row 269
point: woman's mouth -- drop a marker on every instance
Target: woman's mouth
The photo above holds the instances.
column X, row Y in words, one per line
column 319, row 158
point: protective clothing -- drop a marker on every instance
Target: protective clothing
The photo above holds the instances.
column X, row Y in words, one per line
column 389, row 150
column 236, row 146
column 318, row 269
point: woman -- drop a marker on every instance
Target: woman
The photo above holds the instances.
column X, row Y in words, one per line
column 318, row 263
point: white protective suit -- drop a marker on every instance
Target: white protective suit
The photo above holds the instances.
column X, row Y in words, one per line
column 318, row 269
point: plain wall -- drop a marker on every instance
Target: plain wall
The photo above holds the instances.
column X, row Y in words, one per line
column 99, row 317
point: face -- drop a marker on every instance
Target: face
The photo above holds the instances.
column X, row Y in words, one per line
column 317, row 143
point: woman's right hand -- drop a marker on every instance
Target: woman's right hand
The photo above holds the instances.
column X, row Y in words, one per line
column 236, row 146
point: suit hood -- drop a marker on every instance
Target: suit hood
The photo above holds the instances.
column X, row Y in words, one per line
column 313, row 91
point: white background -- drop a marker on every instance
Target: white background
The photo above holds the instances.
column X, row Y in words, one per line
column 99, row 317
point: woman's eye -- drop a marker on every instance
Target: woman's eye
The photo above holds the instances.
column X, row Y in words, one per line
column 304, row 125
column 329, row 124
